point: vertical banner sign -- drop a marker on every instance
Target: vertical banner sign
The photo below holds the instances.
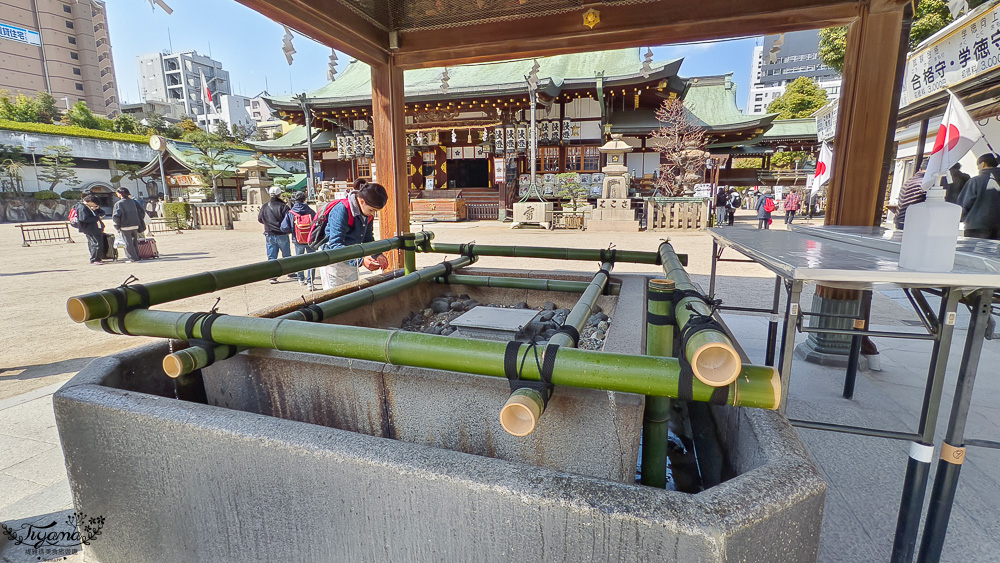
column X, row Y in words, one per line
column 543, row 131
column 511, row 139
column 964, row 53
column 498, row 140
column 567, row 129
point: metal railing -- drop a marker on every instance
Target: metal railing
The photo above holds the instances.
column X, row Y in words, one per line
column 45, row 232
column 165, row 225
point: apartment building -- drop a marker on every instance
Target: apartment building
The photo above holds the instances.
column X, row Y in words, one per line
column 176, row 77
column 779, row 60
column 59, row 46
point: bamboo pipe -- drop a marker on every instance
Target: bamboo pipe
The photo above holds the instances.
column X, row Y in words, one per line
column 519, row 415
column 655, row 428
column 102, row 304
column 193, row 358
column 713, row 358
column 524, row 283
column 629, row 256
column 409, row 252
column 757, row 386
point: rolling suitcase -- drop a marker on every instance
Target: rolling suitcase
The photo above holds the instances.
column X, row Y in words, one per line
column 109, row 248
column 147, row 248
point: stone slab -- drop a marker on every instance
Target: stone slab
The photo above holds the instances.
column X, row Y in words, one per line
column 604, row 225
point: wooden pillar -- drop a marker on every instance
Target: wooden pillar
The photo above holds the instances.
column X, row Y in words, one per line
column 390, row 152
column 867, row 118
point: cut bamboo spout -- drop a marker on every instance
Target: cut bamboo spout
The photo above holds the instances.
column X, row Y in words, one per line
column 712, row 356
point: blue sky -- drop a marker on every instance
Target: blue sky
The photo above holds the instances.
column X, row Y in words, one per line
column 249, row 47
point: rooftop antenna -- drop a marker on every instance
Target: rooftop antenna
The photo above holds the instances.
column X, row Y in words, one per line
column 210, row 49
column 170, row 42
column 290, row 87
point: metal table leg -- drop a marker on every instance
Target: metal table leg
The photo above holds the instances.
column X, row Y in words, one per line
column 772, row 327
column 921, row 453
column 788, row 340
column 855, row 354
column 952, row 448
column 715, row 262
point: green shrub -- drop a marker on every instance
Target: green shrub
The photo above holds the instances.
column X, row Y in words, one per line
column 46, row 194
column 179, row 209
column 13, row 195
column 72, row 194
column 71, row 131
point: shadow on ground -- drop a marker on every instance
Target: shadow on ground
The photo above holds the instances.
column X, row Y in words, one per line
column 43, row 370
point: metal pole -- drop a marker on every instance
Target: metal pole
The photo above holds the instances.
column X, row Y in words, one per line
column 855, row 353
column 532, row 92
column 163, row 177
column 715, row 261
column 772, row 326
column 788, row 341
column 307, row 116
column 921, row 452
column 953, row 448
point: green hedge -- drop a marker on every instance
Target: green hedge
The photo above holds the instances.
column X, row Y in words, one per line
column 179, row 209
column 46, row 194
column 71, row 131
column 72, row 194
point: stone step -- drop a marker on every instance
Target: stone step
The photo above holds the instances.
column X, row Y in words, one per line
column 244, row 225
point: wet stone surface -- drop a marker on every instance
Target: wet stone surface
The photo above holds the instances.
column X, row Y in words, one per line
column 436, row 318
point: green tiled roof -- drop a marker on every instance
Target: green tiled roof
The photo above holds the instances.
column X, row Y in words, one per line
column 176, row 150
column 712, row 100
column 557, row 72
column 791, row 129
column 296, row 139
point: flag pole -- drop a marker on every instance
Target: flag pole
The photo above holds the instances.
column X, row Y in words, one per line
column 985, row 140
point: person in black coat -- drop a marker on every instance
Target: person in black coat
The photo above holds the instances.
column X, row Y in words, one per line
column 88, row 214
column 958, row 179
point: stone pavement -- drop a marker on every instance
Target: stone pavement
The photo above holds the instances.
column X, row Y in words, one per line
column 864, row 474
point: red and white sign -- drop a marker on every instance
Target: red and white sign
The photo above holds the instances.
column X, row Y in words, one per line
column 955, row 137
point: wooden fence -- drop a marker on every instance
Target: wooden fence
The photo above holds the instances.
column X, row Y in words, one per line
column 676, row 213
column 215, row 215
column 482, row 211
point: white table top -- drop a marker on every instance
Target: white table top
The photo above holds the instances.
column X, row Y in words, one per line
column 857, row 257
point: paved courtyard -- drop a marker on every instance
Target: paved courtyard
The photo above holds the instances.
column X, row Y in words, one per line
column 40, row 348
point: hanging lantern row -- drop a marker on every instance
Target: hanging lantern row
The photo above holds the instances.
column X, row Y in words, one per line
column 353, row 144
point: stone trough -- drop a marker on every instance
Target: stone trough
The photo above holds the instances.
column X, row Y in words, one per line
column 299, row 457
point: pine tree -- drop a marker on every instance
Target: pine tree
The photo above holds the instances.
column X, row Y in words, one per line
column 57, row 167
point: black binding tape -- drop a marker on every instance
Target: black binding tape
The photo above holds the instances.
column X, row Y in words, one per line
column 608, row 254
column 465, row 249
column 570, row 330
column 313, row 313
column 660, row 296
column 685, row 385
column 513, row 371
column 657, row 319
column 447, row 271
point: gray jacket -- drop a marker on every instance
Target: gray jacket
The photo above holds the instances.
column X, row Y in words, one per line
column 128, row 213
column 980, row 200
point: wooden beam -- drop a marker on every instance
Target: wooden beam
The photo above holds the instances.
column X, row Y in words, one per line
column 621, row 26
column 867, row 118
column 390, row 151
column 329, row 23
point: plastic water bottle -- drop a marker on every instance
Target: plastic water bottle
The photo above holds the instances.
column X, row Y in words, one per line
column 930, row 234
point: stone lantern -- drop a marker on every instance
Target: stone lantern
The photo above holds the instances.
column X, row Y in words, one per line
column 615, row 184
column 257, row 182
column 614, row 208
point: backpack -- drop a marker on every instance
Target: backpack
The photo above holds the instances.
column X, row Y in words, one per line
column 769, row 205
column 737, row 201
column 302, row 224
column 317, row 232
column 73, row 218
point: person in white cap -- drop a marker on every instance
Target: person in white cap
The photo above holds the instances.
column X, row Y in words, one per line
column 271, row 214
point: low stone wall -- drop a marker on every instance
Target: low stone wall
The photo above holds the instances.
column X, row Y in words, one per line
column 295, row 470
column 27, row 209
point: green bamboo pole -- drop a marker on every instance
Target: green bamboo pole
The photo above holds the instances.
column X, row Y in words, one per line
column 630, row 256
column 758, row 386
column 102, row 304
column 659, row 342
column 714, row 360
column 521, row 412
column 524, row 283
column 189, row 359
column 409, row 253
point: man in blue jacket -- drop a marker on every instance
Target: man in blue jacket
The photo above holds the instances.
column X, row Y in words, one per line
column 351, row 221
column 129, row 219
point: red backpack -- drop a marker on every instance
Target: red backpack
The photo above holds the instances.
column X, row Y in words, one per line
column 73, row 218
column 769, row 205
column 317, row 231
column 302, row 225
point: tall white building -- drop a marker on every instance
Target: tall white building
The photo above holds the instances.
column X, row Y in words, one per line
column 176, row 77
column 231, row 108
column 779, row 60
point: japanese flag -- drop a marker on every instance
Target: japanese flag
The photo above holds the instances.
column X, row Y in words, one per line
column 206, row 94
column 824, row 167
column 955, row 137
